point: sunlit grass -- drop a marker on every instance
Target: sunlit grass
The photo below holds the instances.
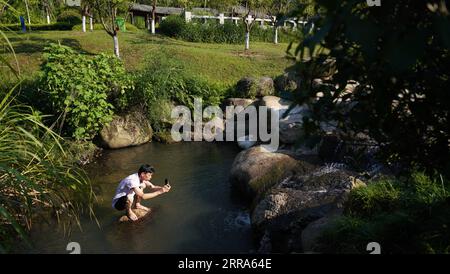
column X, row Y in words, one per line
column 222, row 63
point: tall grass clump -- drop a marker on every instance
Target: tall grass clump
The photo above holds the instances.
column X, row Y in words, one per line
column 405, row 215
column 37, row 176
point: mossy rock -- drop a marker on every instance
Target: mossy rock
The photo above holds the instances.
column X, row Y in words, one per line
column 164, row 137
column 250, row 87
column 255, row 170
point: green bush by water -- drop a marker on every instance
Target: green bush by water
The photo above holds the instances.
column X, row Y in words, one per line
column 82, row 90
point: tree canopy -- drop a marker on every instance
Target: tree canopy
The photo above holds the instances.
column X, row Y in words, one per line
column 399, row 56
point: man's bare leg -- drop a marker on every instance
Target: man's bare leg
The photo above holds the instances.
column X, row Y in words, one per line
column 130, row 212
column 139, row 206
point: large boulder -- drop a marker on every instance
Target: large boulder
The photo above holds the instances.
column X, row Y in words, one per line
column 249, row 87
column 312, row 232
column 256, row 169
column 127, row 130
column 244, row 102
column 265, row 87
column 287, row 82
column 289, row 207
column 276, row 103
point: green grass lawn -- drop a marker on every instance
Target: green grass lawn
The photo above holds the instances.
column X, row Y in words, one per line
column 222, row 63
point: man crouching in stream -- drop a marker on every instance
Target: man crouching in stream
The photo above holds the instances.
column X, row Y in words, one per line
column 134, row 185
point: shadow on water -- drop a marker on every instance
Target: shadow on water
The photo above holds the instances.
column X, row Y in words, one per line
column 199, row 215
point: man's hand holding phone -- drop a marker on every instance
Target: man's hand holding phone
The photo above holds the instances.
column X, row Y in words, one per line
column 167, row 186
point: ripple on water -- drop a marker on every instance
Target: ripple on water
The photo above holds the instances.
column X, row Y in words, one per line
column 237, row 221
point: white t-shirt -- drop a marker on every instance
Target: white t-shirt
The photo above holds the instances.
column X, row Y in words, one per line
column 126, row 188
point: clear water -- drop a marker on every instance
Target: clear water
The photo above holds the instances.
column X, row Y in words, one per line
column 199, row 215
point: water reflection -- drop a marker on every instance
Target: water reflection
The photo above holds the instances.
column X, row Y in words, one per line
column 199, row 215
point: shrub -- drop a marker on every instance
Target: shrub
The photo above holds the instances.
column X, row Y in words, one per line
column 69, row 16
column 82, row 89
column 159, row 114
column 172, row 26
column 164, row 81
column 213, row 32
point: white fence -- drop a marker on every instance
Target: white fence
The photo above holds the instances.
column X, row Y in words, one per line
column 262, row 21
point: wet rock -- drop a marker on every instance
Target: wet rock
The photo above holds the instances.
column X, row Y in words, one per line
column 291, row 126
column 357, row 150
column 331, row 148
column 140, row 213
column 296, row 203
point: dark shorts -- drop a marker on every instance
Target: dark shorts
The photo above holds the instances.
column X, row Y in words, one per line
column 121, row 204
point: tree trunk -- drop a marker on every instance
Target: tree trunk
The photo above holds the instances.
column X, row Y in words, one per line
column 83, row 23
column 247, row 40
column 28, row 12
column 116, row 45
column 275, row 39
column 48, row 15
column 153, row 25
column 153, row 16
column 91, row 24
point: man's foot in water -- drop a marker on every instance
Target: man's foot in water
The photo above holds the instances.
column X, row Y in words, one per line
column 139, row 206
column 132, row 216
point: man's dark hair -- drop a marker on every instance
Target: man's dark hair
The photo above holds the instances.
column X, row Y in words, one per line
column 146, row 168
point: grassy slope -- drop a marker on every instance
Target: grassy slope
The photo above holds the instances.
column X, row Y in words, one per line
column 216, row 62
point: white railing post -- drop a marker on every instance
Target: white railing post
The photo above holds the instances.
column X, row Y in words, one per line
column 221, row 19
column 275, row 27
column 249, row 19
column 188, row 16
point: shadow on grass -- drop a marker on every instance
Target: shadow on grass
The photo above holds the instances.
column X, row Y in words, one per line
column 150, row 39
column 30, row 45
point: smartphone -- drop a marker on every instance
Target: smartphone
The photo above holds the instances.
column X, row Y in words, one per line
column 166, row 181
